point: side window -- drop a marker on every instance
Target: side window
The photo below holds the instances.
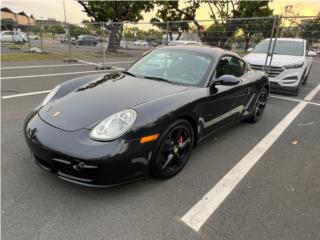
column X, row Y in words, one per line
column 243, row 66
column 230, row 65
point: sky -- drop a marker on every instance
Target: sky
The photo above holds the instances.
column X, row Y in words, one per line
column 43, row 9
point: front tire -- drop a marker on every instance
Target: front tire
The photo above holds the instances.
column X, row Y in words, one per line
column 259, row 107
column 173, row 151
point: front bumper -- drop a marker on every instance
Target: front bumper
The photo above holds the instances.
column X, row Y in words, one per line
column 75, row 157
column 289, row 78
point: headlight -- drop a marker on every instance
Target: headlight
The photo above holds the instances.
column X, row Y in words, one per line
column 114, row 126
column 296, row 65
column 50, row 96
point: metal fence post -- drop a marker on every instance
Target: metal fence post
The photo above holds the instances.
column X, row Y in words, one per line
column 101, row 37
column 275, row 41
column 103, row 66
column 103, row 44
column 41, row 35
column 168, row 32
column 270, row 42
column 28, row 36
column 69, row 40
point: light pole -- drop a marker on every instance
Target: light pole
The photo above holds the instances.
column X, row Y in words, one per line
column 67, row 27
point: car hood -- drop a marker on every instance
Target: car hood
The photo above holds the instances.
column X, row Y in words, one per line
column 278, row 60
column 94, row 101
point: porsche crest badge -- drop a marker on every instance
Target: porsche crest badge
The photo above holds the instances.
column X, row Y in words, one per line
column 56, row 114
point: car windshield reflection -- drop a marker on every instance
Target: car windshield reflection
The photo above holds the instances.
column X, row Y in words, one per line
column 176, row 66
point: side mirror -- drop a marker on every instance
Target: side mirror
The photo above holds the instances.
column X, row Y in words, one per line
column 227, row 80
column 311, row 54
column 249, row 49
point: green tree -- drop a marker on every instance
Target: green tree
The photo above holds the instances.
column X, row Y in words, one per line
column 77, row 30
column 247, row 9
column 54, row 29
column 234, row 16
column 116, row 12
column 178, row 15
column 310, row 30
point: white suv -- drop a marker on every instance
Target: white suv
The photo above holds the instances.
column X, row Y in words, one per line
column 290, row 65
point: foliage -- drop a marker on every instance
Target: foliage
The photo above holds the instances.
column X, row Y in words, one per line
column 134, row 33
column 177, row 15
column 77, row 30
column 54, row 29
column 311, row 30
column 221, row 10
column 230, row 23
column 116, row 12
column 35, row 29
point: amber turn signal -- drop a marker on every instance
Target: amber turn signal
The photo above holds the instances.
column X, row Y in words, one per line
column 149, row 138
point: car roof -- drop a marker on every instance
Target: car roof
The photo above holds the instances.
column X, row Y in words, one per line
column 214, row 51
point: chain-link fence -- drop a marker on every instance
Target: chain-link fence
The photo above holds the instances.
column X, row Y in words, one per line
column 286, row 58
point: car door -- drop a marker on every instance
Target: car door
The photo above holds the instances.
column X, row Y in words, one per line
column 225, row 104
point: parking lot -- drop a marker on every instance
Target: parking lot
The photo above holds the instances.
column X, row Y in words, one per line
column 257, row 181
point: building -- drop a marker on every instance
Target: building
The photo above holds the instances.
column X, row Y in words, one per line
column 10, row 19
column 49, row 21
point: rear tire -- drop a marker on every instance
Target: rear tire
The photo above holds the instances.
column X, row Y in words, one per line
column 173, row 150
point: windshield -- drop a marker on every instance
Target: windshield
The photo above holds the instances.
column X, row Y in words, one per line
column 293, row 48
column 176, row 66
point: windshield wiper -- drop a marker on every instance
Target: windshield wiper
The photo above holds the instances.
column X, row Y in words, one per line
column 158, row 79
column 129, row 73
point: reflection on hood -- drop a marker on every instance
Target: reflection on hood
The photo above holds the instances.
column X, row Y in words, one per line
column 111, row 76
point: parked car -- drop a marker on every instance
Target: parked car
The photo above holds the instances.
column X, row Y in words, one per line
column 184, row 42
column 140, row 43
column 34, row 37
column 62, row 38
column 316, row 50
column 111, row 128
column 13, row 37
column 290, row 65
column 87, row 40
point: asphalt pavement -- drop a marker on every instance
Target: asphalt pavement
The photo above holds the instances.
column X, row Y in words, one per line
column 279, row 197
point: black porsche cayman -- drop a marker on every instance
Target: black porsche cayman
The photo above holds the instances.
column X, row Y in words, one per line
column 111, row 128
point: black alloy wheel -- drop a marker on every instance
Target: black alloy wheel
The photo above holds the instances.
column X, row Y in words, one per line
column 174, row 150
column 259, row 106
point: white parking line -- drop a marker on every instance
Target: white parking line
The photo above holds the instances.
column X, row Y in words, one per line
column 25, row 94
column 294, row 99
column 45, row 66
column 59, row 74
column 89, row 63
column 202, row 210
column 100, row 64
column 312, row 93
column 83, row 63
